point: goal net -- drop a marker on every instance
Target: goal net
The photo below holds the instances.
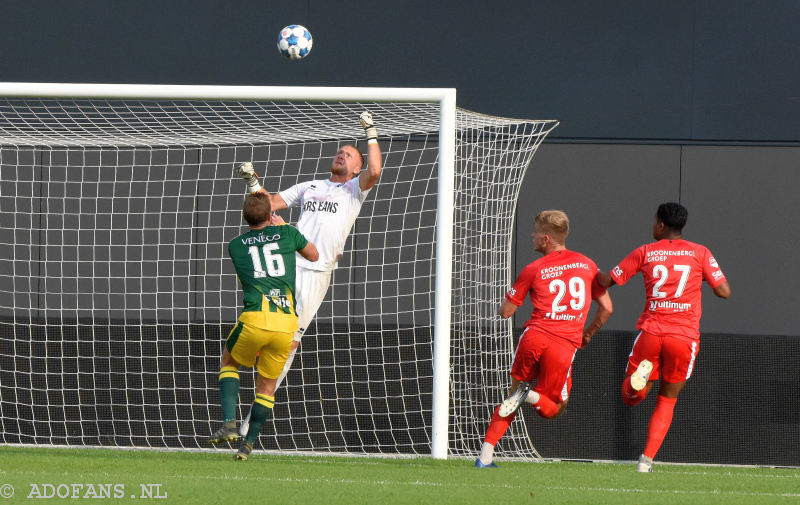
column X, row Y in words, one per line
column 116, row 293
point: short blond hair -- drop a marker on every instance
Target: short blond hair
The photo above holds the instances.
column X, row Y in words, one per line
column 554, row 223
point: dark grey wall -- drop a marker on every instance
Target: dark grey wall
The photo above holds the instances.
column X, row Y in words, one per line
column 742, row 206
column 673, row 74
column 686, row 69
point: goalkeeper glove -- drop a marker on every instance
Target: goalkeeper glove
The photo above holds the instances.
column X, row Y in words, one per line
column 250, row 176
column 369, row 127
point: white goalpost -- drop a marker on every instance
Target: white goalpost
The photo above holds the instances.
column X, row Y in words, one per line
column 117, row 202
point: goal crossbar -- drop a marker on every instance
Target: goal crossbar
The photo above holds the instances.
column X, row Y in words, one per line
column 221, row 92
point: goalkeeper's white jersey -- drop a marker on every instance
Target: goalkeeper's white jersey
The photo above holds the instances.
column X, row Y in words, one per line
column 327, row 213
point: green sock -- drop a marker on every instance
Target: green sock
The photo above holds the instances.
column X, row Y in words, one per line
column 229, row 391
column 262, row 410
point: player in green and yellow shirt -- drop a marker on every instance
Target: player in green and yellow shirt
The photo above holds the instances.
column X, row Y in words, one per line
column 264, row 259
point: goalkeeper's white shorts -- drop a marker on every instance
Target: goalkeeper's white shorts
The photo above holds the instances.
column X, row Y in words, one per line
column 310, row 286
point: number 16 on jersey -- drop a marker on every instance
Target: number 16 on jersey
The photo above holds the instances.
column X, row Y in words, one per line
column 274, row 262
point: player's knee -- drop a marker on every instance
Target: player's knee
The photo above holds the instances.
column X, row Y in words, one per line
column 631, row 401
column 548, row 408
column 631, row 397
column 265, row 385
column 227, row 360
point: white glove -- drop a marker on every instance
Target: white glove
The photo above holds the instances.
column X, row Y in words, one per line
column 369, row 127
column 250, row 176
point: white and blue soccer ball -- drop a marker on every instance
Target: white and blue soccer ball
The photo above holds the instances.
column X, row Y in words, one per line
column 294, row 42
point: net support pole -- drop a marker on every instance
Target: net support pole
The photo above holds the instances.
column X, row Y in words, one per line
column 444, row 271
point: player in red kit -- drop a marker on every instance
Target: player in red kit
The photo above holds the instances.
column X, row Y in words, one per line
column 562, row 285
column 673, row 270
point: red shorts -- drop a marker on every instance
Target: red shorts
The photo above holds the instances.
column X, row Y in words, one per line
column 546, row 360
column 672, row 357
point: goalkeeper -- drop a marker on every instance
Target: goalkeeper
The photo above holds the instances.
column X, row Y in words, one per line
column 328, row 209
column 264, row 259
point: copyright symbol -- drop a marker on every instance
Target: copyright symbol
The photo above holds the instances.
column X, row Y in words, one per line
column 6, row 490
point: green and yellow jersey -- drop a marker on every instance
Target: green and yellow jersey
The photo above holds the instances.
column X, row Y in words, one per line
column 265, row 263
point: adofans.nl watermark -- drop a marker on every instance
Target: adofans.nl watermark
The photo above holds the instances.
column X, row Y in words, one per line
column 44, row 490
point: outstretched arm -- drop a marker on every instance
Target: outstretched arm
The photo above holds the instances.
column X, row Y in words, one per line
column 370, row 176
column 250, row 176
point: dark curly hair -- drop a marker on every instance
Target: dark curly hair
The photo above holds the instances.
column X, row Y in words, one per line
column 673, row 215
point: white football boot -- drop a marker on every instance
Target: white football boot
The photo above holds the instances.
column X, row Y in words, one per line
column 640, row 377
column 515, row 399
column 645, row 464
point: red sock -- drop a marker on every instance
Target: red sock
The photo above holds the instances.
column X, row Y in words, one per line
column 659, row 424
column 545, row 407
column 630, row 396
column 498, row 426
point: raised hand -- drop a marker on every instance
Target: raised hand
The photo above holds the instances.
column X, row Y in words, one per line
column 250, row 176
column 369, row 126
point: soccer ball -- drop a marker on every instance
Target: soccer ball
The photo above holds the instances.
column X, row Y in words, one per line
column 294, row 42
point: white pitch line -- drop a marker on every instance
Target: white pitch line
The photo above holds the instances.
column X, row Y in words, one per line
column 382, row 482
column 715, row 492
column 786, row 475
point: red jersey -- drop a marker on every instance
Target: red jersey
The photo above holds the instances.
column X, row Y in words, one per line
column 562, row 286
column 673, row 272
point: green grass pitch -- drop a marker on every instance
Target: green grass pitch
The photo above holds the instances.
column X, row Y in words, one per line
column 214, row 477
